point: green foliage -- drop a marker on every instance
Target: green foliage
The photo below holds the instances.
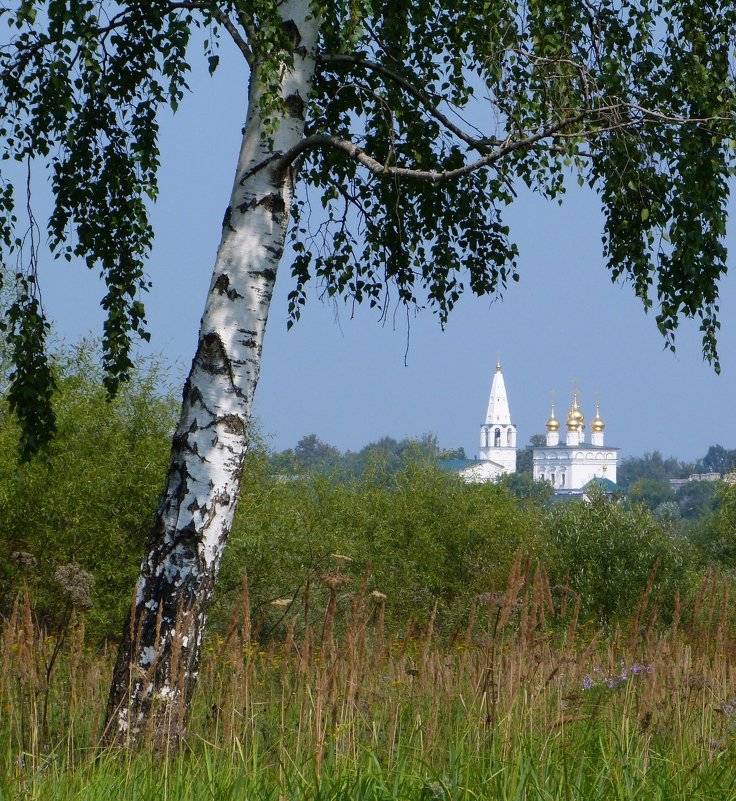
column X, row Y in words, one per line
column 310, row 454
column 653, row 466
column 385, row 455
column 610, row 552
column 636, row 98
column 696, row 498
column 645, row 480
column 595, row 75
column 715, row 535
column 525, row 455
column 80, row 88
column 31, row 380
column 717, row 460
column 89, row 500
column 522, row 485
column 425, row 535
column 651, row 492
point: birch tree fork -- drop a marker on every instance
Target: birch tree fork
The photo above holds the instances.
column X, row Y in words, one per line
column 369, row 103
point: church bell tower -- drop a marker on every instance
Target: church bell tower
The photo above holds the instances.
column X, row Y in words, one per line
column 498, row 433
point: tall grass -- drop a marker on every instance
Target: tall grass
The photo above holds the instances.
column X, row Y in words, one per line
column 526, row 702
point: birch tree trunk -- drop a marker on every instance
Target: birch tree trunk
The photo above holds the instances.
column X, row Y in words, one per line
column 158, row 660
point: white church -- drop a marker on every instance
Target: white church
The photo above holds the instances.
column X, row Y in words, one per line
column 497, row 438
column 569, row 466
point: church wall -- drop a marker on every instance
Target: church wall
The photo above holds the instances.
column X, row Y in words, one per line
column 577, row 465
column 506, row 457
column 482, row 472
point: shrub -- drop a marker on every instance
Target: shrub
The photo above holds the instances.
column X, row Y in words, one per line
column 610, row 552
column 89, row 499
column 425, row 535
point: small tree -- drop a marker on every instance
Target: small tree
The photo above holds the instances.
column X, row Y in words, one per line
column 611, row 552
column 367, row 103
column 717, row 460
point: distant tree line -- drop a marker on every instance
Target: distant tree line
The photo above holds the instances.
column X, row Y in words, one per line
column 311, row 455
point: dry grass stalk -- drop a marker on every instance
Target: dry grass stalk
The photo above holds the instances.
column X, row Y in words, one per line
column 697, row 604
column 676, row 615
column 468, row 639
column 294, row 702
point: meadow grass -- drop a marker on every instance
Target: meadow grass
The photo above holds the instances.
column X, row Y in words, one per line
column 527, row 702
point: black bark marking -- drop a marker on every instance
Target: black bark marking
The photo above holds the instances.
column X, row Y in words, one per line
column 224, row 498
column 196, row 397
column 295, row 105
column 261, row 166
column 247, row 205
column 226, row 220
column 232, row 423
column 222, row 286
column 276, row 252
column 222, row 283
column 273, row 203
column 213, row 358
column 291, row 29
column 266, row 273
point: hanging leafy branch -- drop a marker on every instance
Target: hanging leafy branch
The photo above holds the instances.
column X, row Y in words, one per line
column 422, row 119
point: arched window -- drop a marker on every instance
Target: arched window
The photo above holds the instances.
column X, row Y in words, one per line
column 497, row 438
column 508, row 436
column 562, row 480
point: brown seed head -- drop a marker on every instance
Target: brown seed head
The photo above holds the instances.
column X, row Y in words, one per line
column 76, row 584
column 24, row 560
column 333, row 579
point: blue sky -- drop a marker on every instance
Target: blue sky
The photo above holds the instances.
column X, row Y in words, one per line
column 346, row 379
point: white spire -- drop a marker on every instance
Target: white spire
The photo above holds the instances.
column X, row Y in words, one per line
column 498, row 434
column 498, row 404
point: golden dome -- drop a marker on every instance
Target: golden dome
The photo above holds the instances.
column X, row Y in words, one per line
column 575, row 418
column 597, row 423
column 553, row 424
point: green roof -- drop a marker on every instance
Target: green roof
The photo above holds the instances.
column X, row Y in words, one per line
column 455, row 465
column 604, row 483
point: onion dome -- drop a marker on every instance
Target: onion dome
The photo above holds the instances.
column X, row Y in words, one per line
column 553, row 424
column 575, row 418
column 597, row 423
column 576, row 411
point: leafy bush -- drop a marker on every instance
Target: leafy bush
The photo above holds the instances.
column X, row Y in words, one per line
column 610, row 552
column 89, row 499
column 425, row 535
column 715, row 535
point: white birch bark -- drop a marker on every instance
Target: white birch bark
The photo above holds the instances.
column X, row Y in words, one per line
column 159, row 657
